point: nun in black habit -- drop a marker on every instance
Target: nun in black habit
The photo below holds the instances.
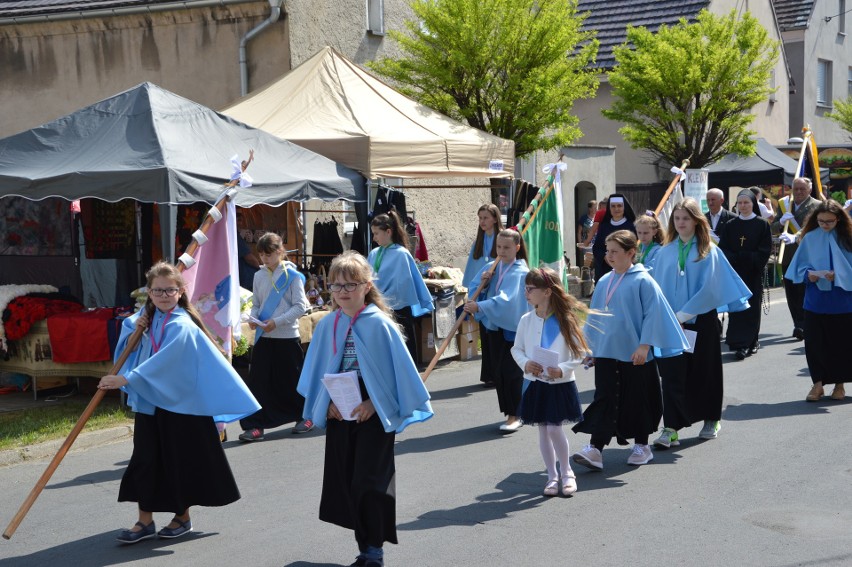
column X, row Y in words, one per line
column 747, row 242
column 619, row 216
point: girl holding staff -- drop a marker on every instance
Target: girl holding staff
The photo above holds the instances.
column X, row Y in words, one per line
column 698, row 283
column 175, row 381
column 499, row 308
column 358, row 489
column 629, row 316
column 823, row 261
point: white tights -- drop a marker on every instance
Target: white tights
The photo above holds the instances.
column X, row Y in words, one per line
column 553, row 444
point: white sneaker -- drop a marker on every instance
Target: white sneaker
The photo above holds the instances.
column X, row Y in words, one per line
column 589, row 457
column 511, row 427
column 668, row 438
column 641, row 455
column 710, row 429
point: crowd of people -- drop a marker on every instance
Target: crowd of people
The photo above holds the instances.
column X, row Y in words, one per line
column 652, row 334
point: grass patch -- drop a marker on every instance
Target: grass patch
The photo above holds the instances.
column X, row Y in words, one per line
column 46, row 423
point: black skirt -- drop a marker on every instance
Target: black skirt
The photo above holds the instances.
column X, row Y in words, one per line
column 627, row 402
column 508, row 376
column 177, row 462
column 358, row 484
column 744, row 326
column 550, row 404
column 275, row 368
column 692, row 382
column 825, row 346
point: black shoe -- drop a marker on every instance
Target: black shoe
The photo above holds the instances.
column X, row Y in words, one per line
column 754, row 348
column 182, row 528
column 799, row 334
column 303, row 426
column 489, row 384
column 740, row 354
column 129, row 536
column 251, row 435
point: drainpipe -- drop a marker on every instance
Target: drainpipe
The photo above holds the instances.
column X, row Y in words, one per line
column 275, row 13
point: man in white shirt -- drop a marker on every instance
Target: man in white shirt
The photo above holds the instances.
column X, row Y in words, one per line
column 718, row 215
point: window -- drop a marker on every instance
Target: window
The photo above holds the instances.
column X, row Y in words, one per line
column 376, row 17
column 823, row 82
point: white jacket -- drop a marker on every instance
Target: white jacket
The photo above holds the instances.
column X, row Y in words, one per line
column 529, row 336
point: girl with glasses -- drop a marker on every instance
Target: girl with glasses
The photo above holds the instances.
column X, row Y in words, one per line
column 177, row 459
column 361, row 336
column 278, row 301
column 823, row 262
column 629, row 316
column 396, row 275
column 550, row 397
column 499, row 308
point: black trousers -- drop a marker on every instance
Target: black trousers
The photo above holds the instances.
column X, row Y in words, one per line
column 795, row 302
column 508, row 377
column 406, row 321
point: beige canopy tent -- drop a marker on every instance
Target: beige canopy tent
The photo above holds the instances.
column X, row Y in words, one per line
column 333, row 107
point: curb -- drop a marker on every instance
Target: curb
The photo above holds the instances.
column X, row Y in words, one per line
column 86, row 440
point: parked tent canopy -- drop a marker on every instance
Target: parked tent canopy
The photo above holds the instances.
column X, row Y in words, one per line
column 333, row 107
column 768, row 166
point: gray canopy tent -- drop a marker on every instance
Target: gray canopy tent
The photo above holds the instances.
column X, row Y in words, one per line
column 153, row 146
column 768, row 166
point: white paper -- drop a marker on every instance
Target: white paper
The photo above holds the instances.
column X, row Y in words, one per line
column 818, row 273
column 691, row 336
column 547, row 358
column 256, row 321
column 344, row 391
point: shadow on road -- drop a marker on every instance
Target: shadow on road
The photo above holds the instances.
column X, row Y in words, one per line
column 448, row 440
column 92, row 478
column 98, row 551
column 457, row 392
column 748, row 412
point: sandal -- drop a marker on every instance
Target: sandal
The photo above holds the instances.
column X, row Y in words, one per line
column 815, row 394
column 569, row 484
column 551, row 488
column 839, row 392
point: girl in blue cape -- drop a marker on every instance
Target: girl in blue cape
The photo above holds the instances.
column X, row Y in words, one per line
column 823, row 262
column 698, row 283
column 483, row 250
column 499, row 308
column 178, row 382
column 629, row 316
column 396, row 276
column 360, row 336
column 278, row 301
column 550, row 398
column 650, row 237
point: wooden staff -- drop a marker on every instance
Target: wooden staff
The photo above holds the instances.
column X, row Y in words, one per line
column 132, row 343
column 805, row 144
column 523, row 225
column 684, row 164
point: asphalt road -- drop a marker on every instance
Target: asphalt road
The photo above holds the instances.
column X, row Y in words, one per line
column 773, row 489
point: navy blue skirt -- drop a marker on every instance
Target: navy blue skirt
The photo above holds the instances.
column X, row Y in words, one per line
column 550, row 404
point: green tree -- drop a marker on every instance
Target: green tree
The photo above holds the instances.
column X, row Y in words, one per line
column 842, row 114
column 512, row 68
column 686, row 90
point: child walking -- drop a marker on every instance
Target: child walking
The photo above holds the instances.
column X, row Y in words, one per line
column 361, row 336
column 651, row 239
column 499, row 308
column 629, row 316
column 276, row 360
column 178, row 382
column 550, row 398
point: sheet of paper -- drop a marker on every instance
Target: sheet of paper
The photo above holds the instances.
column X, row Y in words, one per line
column 344, row 391
column 690, row 336
column 255, row 320
column 818, row 273
column 547, row 358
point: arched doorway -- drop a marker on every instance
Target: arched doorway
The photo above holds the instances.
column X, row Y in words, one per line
column 584, row 191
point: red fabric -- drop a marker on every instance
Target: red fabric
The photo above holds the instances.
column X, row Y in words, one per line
column 599, row 215
column 420, row 252
column 24, row 311
column 80, row 337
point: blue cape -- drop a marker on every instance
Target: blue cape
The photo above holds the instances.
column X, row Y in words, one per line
column 812, row 254
column 651, row 258
column 389, row 374
column 400, row 281
column 474, row 266
column 186, row 375
column 638, row 314
column 709, row 284
column 502, row 309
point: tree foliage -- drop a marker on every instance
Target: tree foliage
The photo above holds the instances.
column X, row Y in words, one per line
column 842, row 114
column 686, row 90
column 509, row 67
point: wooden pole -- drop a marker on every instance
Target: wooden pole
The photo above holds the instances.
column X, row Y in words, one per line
column 684, row 164
column 132, row 343
column 523, row 225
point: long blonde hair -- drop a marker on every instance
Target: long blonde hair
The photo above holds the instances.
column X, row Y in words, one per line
column 565, row 307
column 170, row 272
column 702, row 227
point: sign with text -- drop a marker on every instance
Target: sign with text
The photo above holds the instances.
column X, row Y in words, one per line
column 695, row 186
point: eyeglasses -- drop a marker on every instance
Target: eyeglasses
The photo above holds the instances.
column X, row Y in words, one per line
column 529, row 288
column 168, row 292
column 826, row 222
column 348, row 286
